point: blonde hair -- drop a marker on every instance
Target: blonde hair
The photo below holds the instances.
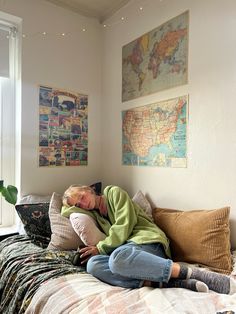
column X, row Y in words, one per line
column 74, row 190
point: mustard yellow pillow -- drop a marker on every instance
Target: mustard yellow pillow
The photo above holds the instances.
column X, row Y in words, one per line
column 198, row 236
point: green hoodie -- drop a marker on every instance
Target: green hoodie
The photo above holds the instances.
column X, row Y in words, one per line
column 126, row 222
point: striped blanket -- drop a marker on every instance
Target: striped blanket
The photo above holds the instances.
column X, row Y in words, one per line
column 82, row 293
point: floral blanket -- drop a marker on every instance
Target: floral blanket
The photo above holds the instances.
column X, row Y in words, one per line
column 24, row 267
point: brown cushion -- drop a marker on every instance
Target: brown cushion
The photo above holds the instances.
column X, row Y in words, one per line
column 63, row 235
column 198, row 236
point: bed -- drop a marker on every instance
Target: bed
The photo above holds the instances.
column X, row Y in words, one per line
column 37, row 276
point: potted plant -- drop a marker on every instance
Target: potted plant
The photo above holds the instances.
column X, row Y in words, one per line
column 9, row 193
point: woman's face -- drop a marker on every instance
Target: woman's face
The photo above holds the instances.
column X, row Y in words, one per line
column 82, row 198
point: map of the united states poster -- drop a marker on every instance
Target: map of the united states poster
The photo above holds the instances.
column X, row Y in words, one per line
column 156, row 134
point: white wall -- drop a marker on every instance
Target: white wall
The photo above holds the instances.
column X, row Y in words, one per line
column 72, row 62
column 209, row 181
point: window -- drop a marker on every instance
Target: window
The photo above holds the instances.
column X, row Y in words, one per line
column 10, row 28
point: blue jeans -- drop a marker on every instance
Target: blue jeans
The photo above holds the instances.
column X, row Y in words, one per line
column 130, row 264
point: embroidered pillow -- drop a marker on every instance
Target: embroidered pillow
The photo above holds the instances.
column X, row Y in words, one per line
column 35, row 219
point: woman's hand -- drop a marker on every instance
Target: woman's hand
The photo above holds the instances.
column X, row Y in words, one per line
column 86, row 252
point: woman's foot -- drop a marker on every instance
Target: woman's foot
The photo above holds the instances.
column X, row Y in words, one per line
column 216, row 282
column 190, row 284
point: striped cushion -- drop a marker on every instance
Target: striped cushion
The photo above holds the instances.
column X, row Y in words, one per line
column 63, row 235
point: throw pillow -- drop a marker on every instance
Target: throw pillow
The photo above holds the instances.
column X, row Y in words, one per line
column 34, row 217
column 200, row 236
column 35, row 199
column 97, row 187
column 141, row 200
column 63, row 235
column 86, row 228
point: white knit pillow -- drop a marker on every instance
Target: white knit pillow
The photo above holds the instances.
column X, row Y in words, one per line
column 141, row 200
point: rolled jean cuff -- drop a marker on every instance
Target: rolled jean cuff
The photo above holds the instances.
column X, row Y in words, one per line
column 167, row 271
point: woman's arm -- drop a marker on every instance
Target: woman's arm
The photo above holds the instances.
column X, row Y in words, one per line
column 123, row 218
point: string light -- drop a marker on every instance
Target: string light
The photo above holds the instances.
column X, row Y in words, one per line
column 140, row 7
column 121, row 19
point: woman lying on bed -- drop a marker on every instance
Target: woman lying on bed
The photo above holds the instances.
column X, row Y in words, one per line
column 134, row 251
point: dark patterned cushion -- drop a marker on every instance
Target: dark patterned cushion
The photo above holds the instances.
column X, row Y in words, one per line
column 36, row 222
column 97, row 187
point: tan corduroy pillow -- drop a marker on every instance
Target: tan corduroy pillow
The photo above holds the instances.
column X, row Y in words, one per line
column 63, row 235
column 199, row 236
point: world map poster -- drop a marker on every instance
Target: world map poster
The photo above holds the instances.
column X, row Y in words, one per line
column 63, row 127
column 156, row 134
column 157, row 60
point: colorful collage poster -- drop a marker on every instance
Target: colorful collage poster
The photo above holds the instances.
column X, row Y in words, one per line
column 63, row 128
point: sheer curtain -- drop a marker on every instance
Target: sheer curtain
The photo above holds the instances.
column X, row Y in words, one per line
column 9, row 92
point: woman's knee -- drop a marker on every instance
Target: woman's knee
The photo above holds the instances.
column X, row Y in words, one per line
column 119, row 258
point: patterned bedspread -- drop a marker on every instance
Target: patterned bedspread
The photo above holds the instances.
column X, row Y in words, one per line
column 24, row 267
column 39, row 281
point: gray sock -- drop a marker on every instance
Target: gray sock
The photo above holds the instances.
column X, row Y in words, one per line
column 191, row 284
column 216, row 282
column 184, row 272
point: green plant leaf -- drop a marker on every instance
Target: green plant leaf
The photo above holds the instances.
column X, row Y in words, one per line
column 10, row 193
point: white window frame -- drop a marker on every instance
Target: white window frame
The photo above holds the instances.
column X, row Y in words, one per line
column 10, row 126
